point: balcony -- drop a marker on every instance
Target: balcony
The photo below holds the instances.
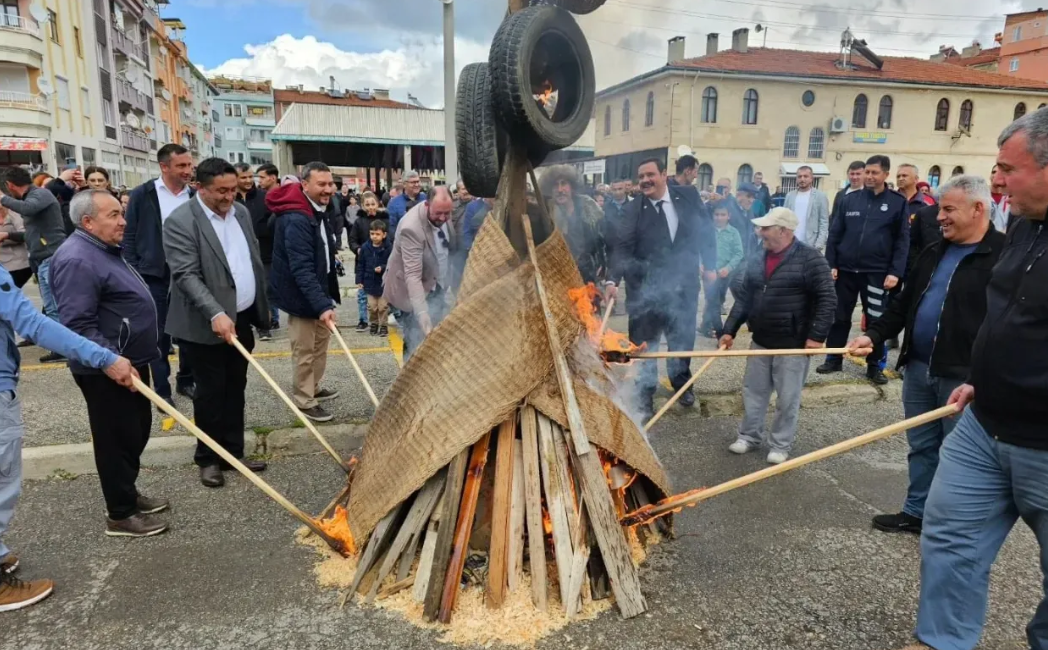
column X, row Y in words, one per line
column 260, row 145
column 123, row 43
column 28, row 111
column 133, row 139
column 21, row 41
column 128, row 95
column 260, row 121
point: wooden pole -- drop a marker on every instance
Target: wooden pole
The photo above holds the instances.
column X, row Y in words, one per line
column 676, row 396
column 502, row 500
column 356, row 366
column 287, row 400
column 445, row 533
column 237, row 465
column 692, row 354
column 671, row 504
column 533, row 506
column 604, row 320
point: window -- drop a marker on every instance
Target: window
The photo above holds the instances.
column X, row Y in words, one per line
column 85, row 102
column 942, row 114
column 229, row 110
column 884, row 113
column 859, row 112
column 933, row 176
column 791, row 143
column 957, row 171
column 238, row 112
column 1013, row 66
column 107, row 113
column 705, row 179
column 745, row 175
column 258, row 135
column 103, row 56
column 1017, row 33
column 14, row 78
column 234, row 133
column 62, row 94
column 808, row 98
column 76, row 42
column 965, row 122
column 89, row 156
column 65, row 153
column 709, row 105
column 749, row 107
column 607, row 121
column 626, row 115
column 816, row 142
column 52, row 26
column 1020, row 110
column 649, row 110
column 9, row 13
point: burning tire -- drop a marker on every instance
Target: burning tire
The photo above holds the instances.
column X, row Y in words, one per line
column 574, row 6
column 481, row 143
column 542, row 77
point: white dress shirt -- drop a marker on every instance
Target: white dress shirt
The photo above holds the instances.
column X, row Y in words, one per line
column 168, row 200
column 442, row 252
column 801, row 202
column 238, row 254
column 323, row 233
column 672, row 220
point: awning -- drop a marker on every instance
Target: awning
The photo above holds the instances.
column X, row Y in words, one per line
column 790, row 169
column 361, row 124
column 23, row 144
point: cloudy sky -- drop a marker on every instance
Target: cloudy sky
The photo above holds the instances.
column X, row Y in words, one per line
column 396, row 44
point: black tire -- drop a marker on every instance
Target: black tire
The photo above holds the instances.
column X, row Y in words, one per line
column 519, row 61
column 574, row 6
column 481, row 143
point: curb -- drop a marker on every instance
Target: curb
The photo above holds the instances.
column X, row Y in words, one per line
column 174, row 451
column 818, row 396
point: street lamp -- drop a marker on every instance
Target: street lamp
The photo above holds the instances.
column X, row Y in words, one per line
column 450, row 152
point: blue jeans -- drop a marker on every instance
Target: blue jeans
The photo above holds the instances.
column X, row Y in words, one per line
column 43, row 274
column 161, row 368
column 981, row 489
column 362, row 305
column 11, row 432
column 922, row 393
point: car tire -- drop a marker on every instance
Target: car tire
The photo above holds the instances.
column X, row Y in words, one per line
column 518, row 61
column 574, row 6
column 481, row 143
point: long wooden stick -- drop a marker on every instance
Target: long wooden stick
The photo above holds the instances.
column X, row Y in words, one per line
column 533, row 506
column 237, row 465
column 671, row 504
column 287, row 400
column 356, row 366
column 445, row 533
column 692, row 354
column 502, row 498
column 604, row 320
column 676, row 396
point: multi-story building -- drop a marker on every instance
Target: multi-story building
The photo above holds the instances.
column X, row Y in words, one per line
column 1024, row 45
column 49, row 95
column 745, row 110
column 973, row 56
column 244, row 119
column 203, row 104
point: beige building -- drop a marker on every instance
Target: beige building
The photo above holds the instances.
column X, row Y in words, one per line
column 746, row 110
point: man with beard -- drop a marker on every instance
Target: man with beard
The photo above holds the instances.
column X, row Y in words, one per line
column 812, row 210
column 579, row 219
column 268, row 179
column 666, row 236
column 254, row 199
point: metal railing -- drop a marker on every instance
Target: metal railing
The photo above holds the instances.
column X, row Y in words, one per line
column 125, row 44
column 126, row 93
column 12, row 99
column 19, row 24
column 133, row 140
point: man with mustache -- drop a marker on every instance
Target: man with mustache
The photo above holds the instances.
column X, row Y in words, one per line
column 664, row 239
column 579, row 219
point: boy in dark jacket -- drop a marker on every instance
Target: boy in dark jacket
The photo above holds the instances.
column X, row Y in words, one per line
column 371, row 267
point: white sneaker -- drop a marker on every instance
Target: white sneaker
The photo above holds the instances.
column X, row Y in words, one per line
column 741, row 447
column 777, row 457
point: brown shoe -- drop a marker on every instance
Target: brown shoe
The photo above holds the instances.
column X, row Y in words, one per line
column 15, row 594
column 147, row 506
column 9, row 564
column 211, row 476
column 137, row 525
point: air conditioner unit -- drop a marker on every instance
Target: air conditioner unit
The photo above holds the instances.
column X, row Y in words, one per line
column 838, row 125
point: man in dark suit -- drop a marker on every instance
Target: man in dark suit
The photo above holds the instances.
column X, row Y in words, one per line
column 151, row 204
column 665, row 237
column 218, row 292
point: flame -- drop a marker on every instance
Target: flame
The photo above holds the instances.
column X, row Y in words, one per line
column 547, row 93
column 337, row 527
column 611, row 341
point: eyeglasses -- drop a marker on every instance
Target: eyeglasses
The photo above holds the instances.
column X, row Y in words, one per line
column 443, row 239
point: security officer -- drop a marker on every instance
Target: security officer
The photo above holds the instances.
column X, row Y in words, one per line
column 867, row 250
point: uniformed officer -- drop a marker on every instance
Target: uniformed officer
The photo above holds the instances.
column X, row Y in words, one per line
column 867, row 250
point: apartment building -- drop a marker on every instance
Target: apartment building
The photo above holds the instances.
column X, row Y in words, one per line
column 204, row 94
column 244, row 119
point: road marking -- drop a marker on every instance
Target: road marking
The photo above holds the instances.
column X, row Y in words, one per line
column 396, row 344
column 260, row 355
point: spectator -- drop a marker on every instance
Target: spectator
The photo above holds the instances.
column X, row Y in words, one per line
column 741, row 209
column 1000, row 210
column 254, row 199
column 577, row 217
column 856, row 176
column 401, row 202
column 97, row 178
column 763, row 195
column 462, row 200
column 125, row 199
column 906, row 180
column 729, row 256
column 14, row 256
column 475, row 215
column 778, row 199
column 786, row 298
column 359, row 235
column 268, row 179
column 64, row 187
column 812, row 210
column 687, row 172
column 371, row 268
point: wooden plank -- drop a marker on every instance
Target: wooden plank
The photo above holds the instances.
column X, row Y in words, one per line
column 515, row 548
column 407, row 558
column 625, row 583
column 395, row 588
column 463, row 528
column 600, row 588
column 641, row 499
column 416, row 518
column 560, row 446
column 445, row 534
column 498, row 565
column 578, row 567
column 533, row 507
column 379, row 537
column 554, row 485
column 425, row 561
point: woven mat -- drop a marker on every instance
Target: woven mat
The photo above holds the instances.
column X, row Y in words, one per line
column 476, row 367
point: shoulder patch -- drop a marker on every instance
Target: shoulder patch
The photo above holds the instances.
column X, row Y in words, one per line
column 5, row 287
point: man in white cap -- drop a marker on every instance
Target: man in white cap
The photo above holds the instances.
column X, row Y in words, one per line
column 786, row 296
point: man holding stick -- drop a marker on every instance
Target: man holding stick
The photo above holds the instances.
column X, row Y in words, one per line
column 993, row 467
column 218, row 293
column 786, row 297
column 940, row 308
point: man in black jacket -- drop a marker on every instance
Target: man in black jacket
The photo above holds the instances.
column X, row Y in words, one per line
column 658, row 248
column 940, row 308
column 254, row 199
column 786, row 296
column 268, row 179
column 856, row 171
column 993, row 467
column 867, row 249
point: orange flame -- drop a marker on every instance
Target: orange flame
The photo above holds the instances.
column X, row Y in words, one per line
column 611, row 341
column 546, row 94
column 337, row 527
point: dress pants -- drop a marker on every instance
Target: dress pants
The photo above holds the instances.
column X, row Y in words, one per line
column 309, row 347
column 676, row 319
column 161, row 368
column 120, row 422
column 869, row 287
column 220, row 373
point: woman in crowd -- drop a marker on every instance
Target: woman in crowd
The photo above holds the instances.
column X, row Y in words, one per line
column 97, row 179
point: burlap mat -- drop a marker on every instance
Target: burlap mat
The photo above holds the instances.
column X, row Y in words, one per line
column 473, row 370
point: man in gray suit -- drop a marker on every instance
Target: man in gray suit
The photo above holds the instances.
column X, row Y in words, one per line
column 218, row 292
column 812, row 209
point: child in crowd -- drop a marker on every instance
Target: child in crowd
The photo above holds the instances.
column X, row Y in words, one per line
column 371, row 265
column 729, row 256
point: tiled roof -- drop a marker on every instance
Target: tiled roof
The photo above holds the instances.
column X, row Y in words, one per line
column 982, row 58
column 350, row 99
column 804, row 63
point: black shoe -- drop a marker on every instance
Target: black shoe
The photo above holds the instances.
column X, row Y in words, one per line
column 876, row 377
column 189, row 390
column 362, row 326
column 147, row 506
column 900, row 523
column 25, row 343
column 211, row 476
column 52, row 357
column 325, row 394
column 253, row 465
column 830, row 366
column 265, row 335
column 374, row 329
column 383, row 330
column 137, row 525
column 318, row 414
column 687, row 399
column 274, row 325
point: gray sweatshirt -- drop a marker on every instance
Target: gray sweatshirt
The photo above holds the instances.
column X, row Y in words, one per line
column 42, row 215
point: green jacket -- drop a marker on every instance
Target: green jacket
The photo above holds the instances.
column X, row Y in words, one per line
column 729, row 248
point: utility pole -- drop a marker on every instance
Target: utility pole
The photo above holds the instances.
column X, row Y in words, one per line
column 450, row 150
